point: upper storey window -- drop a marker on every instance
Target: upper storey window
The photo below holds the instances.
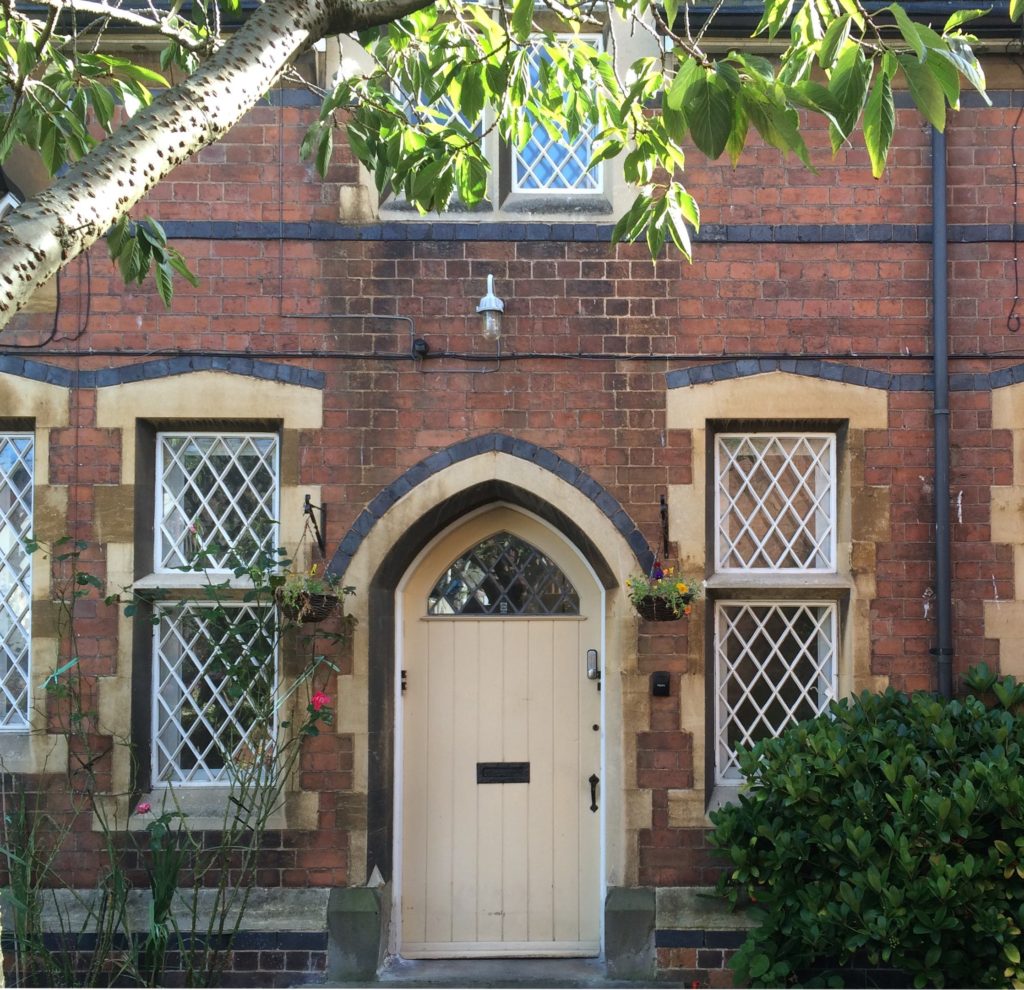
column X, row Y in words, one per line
column 554, row 162
column 545, row 173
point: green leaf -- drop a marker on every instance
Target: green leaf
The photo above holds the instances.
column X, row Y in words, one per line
column 849, row 87
column 324, row 149
column 909, row 30
column 671, row 9
column 685, row 75
column 961, row 17
column 879, row 123
column 1016, row 9
column 708, row 106
column 835, row 37
column 1011, row 952
column 947, row 76
column 141, row 74
column 471, row 101
column 776, row 12
column 960, row 55
column 177, row 261
column 522, row 19
column 759, row 965
column 925, row 91
column 102, row 104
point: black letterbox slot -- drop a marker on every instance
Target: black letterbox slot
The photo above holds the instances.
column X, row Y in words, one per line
column 503, row 773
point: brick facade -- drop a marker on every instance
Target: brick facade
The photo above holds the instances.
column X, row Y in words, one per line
column 824, row 275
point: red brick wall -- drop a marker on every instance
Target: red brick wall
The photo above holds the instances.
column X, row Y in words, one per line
column 853, row 301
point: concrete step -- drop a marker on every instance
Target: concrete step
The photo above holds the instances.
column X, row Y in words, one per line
column 554, row 973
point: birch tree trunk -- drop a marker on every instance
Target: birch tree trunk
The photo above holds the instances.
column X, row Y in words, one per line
column 47, row 232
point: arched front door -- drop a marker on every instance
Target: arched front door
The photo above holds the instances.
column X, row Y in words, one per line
column 500, row 792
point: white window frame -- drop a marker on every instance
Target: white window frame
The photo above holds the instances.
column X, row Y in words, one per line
column 166, row 766
column 505, row 195
column 826, row 681
column 827, row 550
column 781, row 585
column 515, row 157
column 14, row 658
column 160, row 505
column 166, row 769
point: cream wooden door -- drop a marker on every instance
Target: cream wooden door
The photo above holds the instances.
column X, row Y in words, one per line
column 489, row 868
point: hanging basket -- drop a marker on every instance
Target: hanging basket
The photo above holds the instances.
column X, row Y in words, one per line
column 307, row 607
column 656, row 610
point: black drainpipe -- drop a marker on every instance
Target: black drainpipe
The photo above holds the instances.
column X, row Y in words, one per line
column 943, row 651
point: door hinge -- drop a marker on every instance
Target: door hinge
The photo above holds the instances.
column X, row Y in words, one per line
column 405, row 683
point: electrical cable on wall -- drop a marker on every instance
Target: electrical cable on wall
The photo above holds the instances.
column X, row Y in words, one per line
column 1013, row 318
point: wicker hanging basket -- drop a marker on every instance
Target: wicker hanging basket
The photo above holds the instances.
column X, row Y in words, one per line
column 308, row 607
column 656, row 610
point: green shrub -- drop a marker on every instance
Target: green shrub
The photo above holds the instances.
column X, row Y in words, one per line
column 889, row 831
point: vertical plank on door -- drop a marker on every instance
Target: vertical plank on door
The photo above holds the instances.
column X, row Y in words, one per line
column 466, row 694
column 439, row 822
column 490, row 826
column 516, row 797
column 414, row 797
column 589, row 845
column 544, row 709
column 570, row 773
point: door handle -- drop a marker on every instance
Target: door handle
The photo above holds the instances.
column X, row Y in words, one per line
column 594, row 781
column 593, row 668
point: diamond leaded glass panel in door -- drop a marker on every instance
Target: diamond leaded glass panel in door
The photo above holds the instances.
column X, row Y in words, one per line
column 503, row 575
column 17, row 453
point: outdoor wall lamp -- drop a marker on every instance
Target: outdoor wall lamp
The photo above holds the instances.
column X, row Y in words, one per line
column 490, row 308
column 10, row 196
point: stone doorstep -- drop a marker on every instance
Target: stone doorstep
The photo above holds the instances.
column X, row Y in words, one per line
column 554, row 973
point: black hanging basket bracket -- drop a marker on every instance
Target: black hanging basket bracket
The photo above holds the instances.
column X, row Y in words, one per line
column 664, row 528
column 319, row 531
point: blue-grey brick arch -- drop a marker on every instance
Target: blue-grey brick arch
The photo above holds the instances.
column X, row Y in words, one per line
column 379, row 595
column 474, row 447
column 849, row 374
column 143, row 371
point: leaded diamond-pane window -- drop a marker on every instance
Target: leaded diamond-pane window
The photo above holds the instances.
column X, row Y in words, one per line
column 503, row 575
column 775, row 507
column 554, row 162
column 215, row 674
column 775, row 665
column 215, row 492
column 16, row 473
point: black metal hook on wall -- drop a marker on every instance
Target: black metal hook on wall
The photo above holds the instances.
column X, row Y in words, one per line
column 319, row 531
column 664, row 528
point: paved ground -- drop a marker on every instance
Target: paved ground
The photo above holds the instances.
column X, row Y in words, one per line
column 555, row 973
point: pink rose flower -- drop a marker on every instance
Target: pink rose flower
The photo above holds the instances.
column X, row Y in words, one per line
column 144, row 808
column 318, row 700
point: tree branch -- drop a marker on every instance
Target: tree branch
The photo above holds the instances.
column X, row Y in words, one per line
column 105, row 11
column 45, row 233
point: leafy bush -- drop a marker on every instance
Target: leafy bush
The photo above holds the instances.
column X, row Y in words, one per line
column 887, row 832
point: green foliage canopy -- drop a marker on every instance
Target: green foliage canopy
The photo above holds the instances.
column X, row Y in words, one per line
column 60, row 88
